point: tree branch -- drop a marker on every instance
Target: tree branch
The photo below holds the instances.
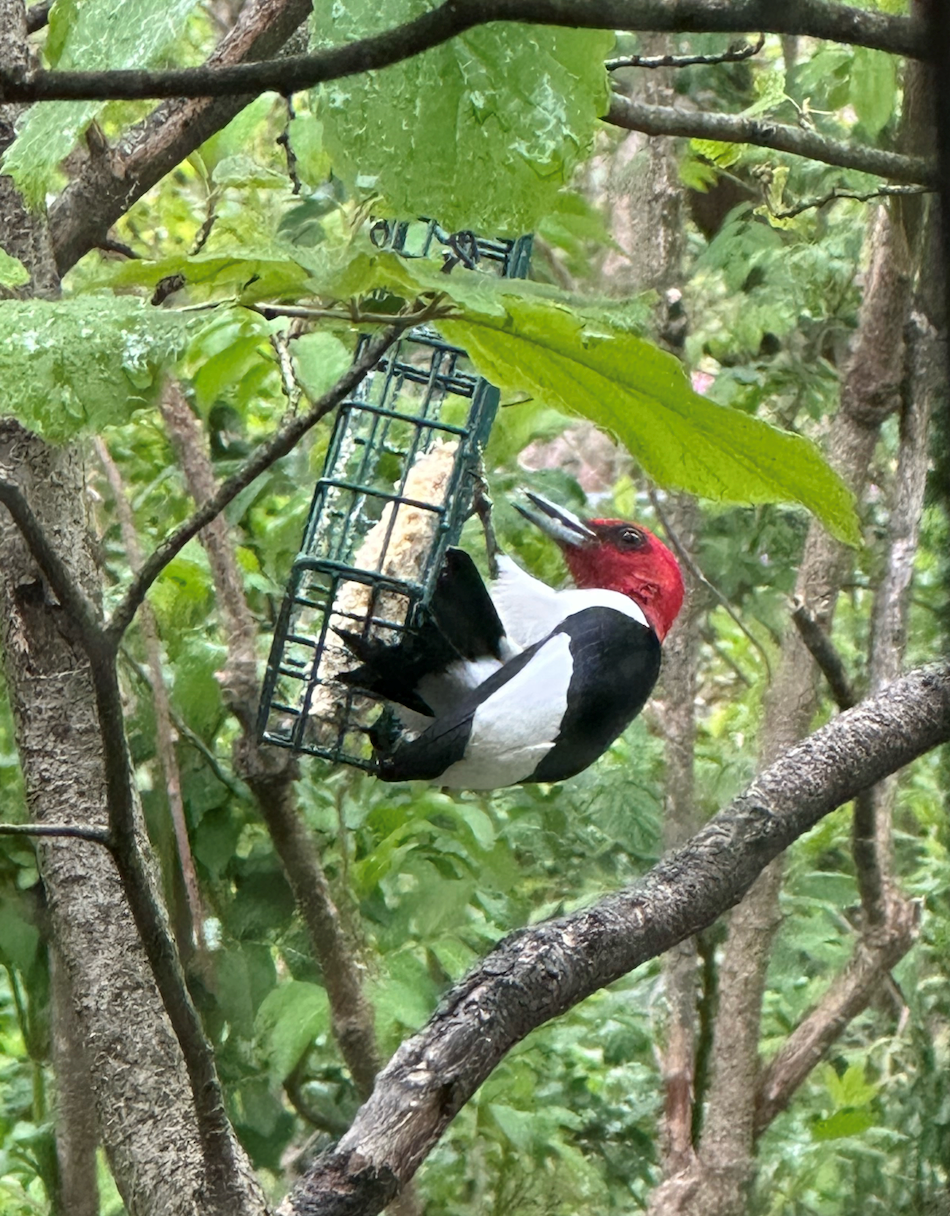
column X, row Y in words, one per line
column 812, row 18
column 69, row 830
column 874, row 955
column 78, row 608
column 823, row 651
column 735, row 54
column 734, row 128
column 107, row 185
column 266, row 454
column 541, row 972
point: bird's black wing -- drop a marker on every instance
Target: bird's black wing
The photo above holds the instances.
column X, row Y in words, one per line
column 462, row 625
column 579, row 688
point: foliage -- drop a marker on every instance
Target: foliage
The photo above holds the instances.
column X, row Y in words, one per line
column 427, row 882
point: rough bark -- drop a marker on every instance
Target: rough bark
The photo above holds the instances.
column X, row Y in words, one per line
column 540, row 972
column 77, row 1135
column 140, row 1086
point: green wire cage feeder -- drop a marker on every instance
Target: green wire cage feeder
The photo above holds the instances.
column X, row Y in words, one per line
column 396, row 487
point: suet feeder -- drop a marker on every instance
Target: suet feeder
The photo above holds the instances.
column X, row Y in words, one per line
column 397, row 485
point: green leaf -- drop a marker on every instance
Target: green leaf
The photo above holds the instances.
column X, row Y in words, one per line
column 843, row 1123
column 289, row 1019
column 319, row 361
column 480, row 132
column 86, row 363
column 642, row 395
column 873, row 87
column 12, row 271
column 104, row 34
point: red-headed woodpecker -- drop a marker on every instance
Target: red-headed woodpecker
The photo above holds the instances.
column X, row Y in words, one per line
column 526, row 683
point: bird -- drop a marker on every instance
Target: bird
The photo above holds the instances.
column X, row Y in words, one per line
column 523, row 683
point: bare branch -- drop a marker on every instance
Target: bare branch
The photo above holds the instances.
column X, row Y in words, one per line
column 82, row 613
column 788, row 213
column 164, row 733
column 69, row 830
column 823, row 651
column 735, row 54
column 541, row 972
column 813, row 18
column 266, row 455
column 874, row 955
column 734, row 128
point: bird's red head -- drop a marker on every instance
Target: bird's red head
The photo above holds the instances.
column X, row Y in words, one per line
column 628, row 558
column 617, row 556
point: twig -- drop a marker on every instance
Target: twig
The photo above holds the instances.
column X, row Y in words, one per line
column 110, row 245
column 187, row 735
column 850, row 993
column 817, row 19
column 734, row 128
column 787, row 213
column 288, row 380
column 687, row 559
column 823, row 651
column 735, row 54
column 77, row 607
column 432, row 310
column 69, row 830
column 283, row 139
column 265, row 455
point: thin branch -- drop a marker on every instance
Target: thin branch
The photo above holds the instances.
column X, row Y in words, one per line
column 164, row 733
column 788, row 213
column 69, row 830
column 541, row 972
column 432, row 310
column 78, row 608
column 852, row 991
column 823, row 651
column 812, row 18
column 734, row 128
column 266, row 455
column 735, row 54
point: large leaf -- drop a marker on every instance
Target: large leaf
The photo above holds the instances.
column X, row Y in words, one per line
column 527, row 339
column 100, row 34
column 641, row 394
column 480, row 132
column 84, row 363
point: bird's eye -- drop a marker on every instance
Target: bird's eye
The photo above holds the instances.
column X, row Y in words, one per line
column 630, row 538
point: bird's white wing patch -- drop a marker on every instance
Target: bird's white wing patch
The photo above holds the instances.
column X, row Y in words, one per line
column 530, row 609
column 515, row 728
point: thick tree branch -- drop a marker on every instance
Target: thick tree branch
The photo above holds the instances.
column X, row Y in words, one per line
column 265, row 455
column 812, row 18
column 734, row 128
column 541, row 972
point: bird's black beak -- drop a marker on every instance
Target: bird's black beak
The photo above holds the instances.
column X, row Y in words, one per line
column 561, row 525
